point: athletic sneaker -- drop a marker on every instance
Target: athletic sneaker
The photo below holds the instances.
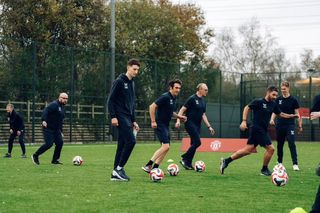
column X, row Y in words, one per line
column 120, row 174
column 147, row 169
column 114, row 178
column 223, row 165
column 8, row 155
column 186, row 165
column 35, row 159
column 23, row 156
column 296, row 167
column 266, row 172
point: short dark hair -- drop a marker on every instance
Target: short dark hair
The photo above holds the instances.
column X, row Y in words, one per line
column 133, row 61
column 272, row 89
column 176, row 81
column 285, row 84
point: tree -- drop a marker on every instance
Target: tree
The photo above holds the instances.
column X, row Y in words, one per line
column 255, row 51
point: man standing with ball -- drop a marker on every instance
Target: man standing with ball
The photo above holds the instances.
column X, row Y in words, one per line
column 121, row 105
column 195, row 110
column 262, row 110
column 161, row 112
column 286, row 127
column 52, row 123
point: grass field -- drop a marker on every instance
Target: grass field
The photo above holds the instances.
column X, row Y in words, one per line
column 26, row 187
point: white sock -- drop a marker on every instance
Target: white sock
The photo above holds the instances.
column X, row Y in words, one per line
column 119, row 167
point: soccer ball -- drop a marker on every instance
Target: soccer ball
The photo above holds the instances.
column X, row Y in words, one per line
column 156, row 175
column 173, row 169
column 279, row 176
column 199, row 166
column 77, row 160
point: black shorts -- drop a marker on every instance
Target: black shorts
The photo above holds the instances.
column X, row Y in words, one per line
column 259, row 136
column 163, row 133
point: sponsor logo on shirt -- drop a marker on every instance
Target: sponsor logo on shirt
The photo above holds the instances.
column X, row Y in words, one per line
column 292, row 132
column 59, row 109
column 171, row 101
column 126, row 85
column 280, row 101
column 197, row 102
column 264, row 106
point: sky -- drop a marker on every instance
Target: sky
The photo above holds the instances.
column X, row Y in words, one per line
column 295, row 23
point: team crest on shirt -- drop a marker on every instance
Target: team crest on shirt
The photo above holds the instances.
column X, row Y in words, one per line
column 59, row 109
column 197, row 102
column 280, row 101
column 171, row 101
column 126, row 85
column 264, row 106
column 292, row 132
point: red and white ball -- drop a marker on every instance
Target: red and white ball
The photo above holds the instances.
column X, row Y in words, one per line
column 173, row 169
column 279, row 176
column 199, row 166
column 77, row 160
column 156, row 175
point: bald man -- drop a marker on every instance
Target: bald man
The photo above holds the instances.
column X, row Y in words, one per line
column 52, row 123
column 195, row 110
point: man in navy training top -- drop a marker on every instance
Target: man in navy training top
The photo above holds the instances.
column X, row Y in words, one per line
column 121, row 106
column 16, row 129
column 285, row 127
column 262, row 110
column 52, row 124
column 195, row 110
column 161, row 112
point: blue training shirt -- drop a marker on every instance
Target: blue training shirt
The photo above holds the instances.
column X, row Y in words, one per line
column 287, row 105
column 262, row 111
column 166, row 105
column 196, row 106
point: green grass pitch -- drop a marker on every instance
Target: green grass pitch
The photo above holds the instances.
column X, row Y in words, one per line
column 26, row 187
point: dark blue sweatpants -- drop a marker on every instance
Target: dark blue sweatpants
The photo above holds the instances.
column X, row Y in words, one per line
column 21, row 142
column 194, row 133
column 286, row 132
column 50, row 137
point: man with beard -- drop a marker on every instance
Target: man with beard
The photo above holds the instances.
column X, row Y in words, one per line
column 52, row 123
column 262, row 110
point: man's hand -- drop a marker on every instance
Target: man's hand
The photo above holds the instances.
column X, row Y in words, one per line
column 11, row 131
column 183, row 118
column 272, row 123
column 243, row 126
column 153, row 124
column 314, row 115
column 114, row 122
column 136, row 126
column 211, row 130
column 178, row 124
column 44, row 124
column 18, row 133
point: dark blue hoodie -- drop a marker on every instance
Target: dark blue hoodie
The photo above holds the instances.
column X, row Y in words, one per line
column 122, row 98
column 16, row 121
column 53, row 114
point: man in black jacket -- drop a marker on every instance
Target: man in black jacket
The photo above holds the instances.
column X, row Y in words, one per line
column 16, row 129
column 52, row 123
column 121, row 106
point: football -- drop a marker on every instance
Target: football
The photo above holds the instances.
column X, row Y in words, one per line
column 199, row 166
column 156, row 175
column 173, row 169
column 77, row 160
column 279, row 176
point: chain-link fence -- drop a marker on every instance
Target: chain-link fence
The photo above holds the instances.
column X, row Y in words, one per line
column 303, row 86
column 32, row 74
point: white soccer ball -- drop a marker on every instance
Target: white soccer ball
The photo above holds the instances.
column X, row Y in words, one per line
column 77, row 160
column 173, row 169
column 199, row 166
column 156, row 175
column 279, row 176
